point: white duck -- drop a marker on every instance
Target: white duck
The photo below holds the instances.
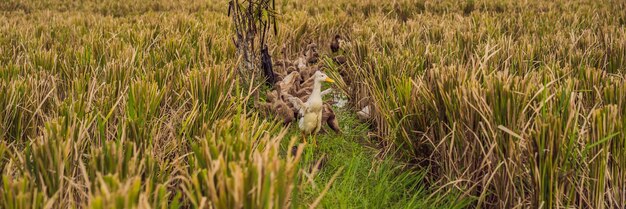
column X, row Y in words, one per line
column 310, row 112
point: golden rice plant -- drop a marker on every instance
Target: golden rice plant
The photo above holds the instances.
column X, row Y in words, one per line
column 114, row 193
column 209, row 92
column 238, row 164
column 21, row 193
column 500, row 107
column 142, row 109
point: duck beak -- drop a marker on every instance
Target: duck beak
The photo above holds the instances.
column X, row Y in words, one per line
column 329, row 80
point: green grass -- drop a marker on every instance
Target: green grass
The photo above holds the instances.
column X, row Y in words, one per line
column 366, row 178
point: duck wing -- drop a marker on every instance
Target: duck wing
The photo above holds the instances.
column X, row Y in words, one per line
column 298, row 104
column 327, row 91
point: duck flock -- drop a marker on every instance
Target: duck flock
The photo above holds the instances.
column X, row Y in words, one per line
column 297, row 96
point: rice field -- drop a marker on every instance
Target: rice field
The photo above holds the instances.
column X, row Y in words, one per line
column 473, row 104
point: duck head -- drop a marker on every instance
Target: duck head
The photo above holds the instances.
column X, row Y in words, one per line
column 311, row 53
column 322, row 77
column 335, row 44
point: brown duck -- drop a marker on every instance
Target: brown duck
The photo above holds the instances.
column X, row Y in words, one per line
column 328, row 115
column 334, row 44
column 311, row 54
column 276, row 106
column 340, row 59
column 288, row 82
column 307, row 72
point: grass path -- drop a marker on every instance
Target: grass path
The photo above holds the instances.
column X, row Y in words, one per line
column 365, row 180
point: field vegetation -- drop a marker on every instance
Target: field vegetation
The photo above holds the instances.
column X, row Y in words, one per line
column 474, row 104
